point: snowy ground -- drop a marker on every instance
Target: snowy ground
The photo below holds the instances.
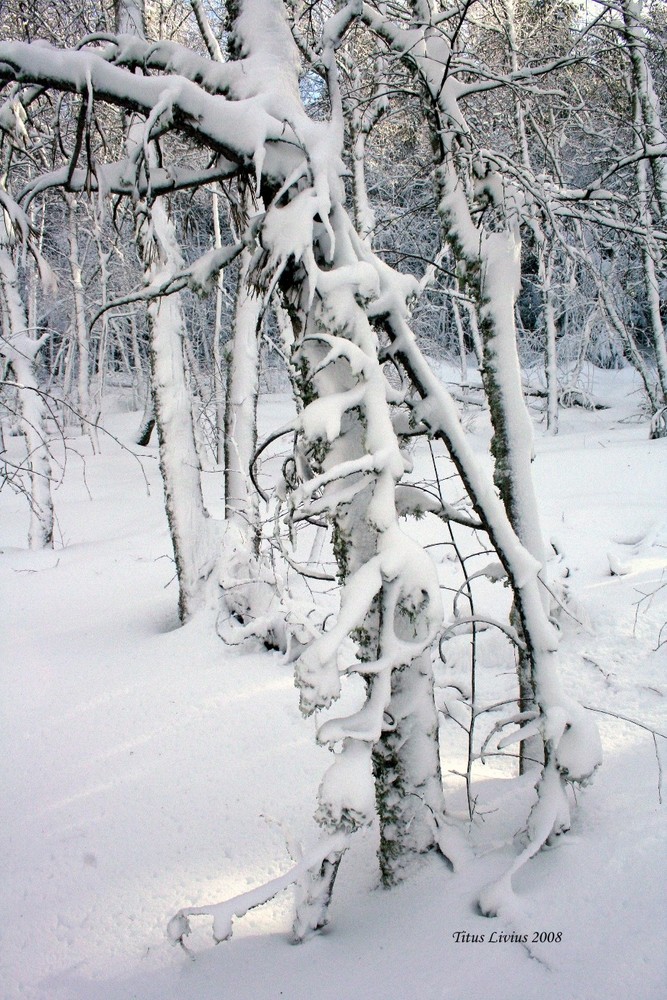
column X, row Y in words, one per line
column 147, row 767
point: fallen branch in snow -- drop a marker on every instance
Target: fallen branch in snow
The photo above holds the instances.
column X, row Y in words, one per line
column 223, row 913
column 546, row 818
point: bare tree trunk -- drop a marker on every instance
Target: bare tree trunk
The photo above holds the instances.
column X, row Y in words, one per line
column 80, row 328
column 460, row 336
column 650, row 254
column 147, row 424
column 218, row 379
column 493, row 273
column 103, row 345
column 240, row 438
column 551, row 366
column 544, row 251
column 19, row 349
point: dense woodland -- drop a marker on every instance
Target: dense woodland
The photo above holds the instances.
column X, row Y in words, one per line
column 202, row 202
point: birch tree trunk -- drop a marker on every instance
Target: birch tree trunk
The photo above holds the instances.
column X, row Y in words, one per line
column 551, row 365
column 99, row 377
column 20, row 350
column 218, row 361
column 81, row 336
column 544, row 251
column 648, row 115
column 649, row 133
column 190, row 527
column 194, row 540
column 240, row 426
column 492, row 275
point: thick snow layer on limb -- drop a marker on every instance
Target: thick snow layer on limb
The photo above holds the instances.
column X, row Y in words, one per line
column 346, row 798
column 14, row 223
column 12, row 121
column 578, row 750
column 369, row 722
column 327, row 427
column 127, row 177
column 267, row 48
column 336, row 25
column 549, row 818
column 223, row 913
column 358, row 277
column 316, row 671
column 135, row 52
column 287, row 232
column 239, row 129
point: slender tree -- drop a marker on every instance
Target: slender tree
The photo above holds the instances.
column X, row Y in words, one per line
column 19, row 349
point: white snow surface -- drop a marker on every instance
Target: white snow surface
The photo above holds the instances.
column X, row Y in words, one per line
column 147, row 767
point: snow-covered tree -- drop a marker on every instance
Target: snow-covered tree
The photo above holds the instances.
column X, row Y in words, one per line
column 191, row 118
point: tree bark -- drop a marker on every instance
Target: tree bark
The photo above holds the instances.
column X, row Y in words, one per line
column 20, row 351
